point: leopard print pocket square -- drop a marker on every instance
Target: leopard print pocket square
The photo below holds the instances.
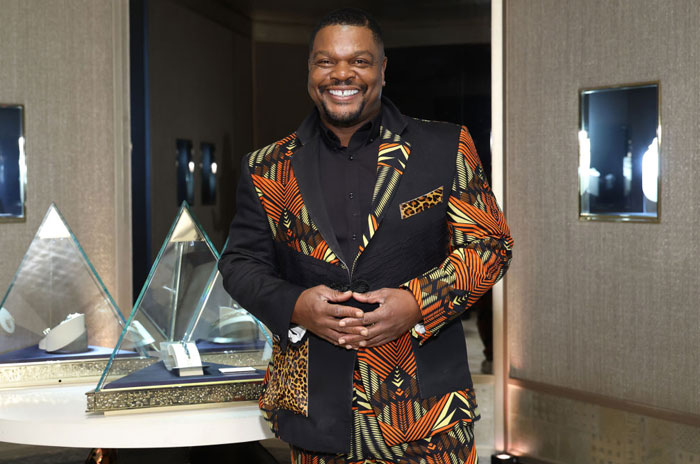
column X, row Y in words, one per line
column 419, row 204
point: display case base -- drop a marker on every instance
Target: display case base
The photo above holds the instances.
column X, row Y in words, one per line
column 146, row 399
column 156, row 388
column 57, row 372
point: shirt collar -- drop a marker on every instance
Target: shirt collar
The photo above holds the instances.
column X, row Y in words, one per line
column 362, row 136
column 391, row 119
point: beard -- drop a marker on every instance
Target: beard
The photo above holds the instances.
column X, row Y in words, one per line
column 343, row 119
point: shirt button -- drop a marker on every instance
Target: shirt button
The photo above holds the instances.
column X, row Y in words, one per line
column 351, row 195
column 354, row 236
column 351, row 157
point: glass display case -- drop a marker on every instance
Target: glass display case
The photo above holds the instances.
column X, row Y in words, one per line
column 200, row 346
column 223, row 331
column 58, row 322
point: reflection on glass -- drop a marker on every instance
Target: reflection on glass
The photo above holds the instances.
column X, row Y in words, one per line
column 168, row 300
column 220, row 324
column 185, row 171
column 57, row 307
column 208, row 174
column 619, row 153
column 13, row 171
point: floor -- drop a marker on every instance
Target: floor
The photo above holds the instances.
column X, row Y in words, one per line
column 274, row 450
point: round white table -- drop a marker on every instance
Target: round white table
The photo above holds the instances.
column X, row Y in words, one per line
column 55, row 416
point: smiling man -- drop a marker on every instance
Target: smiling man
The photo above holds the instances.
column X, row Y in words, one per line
column 359, row 240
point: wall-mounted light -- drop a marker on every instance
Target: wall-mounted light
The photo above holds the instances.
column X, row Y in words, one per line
column 184, row 170
column 209, row 168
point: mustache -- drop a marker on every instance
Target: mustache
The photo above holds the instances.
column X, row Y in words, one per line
column 334, row 82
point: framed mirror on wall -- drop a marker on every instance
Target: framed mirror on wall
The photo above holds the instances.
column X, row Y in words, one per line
column 13, row 168
column 209, row 169
column 185, row 171
column 619, row 157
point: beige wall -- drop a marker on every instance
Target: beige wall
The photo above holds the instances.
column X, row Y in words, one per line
column 604, row 309
column 67, row 62
column 200, row 83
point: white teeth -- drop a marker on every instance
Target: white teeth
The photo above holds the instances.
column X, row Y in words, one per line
column 343, row 93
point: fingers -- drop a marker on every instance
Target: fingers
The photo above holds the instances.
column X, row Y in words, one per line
column 340, row 311
column 376, row 341
column 359, row 330
column 376, row 296
column 351, row 340
column 335, row 296
column 352, row 322
column 373, row 317
column 330, row 336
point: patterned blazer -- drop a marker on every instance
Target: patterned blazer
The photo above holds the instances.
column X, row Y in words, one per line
column 434, row 227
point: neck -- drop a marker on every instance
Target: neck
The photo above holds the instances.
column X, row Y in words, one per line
column 344, row 134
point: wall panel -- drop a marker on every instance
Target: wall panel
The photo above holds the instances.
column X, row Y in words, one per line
column 65, row 61
column 199, row 90
column 605, row 308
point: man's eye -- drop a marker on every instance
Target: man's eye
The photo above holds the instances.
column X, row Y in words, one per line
column 361, row 62
column 323, row 62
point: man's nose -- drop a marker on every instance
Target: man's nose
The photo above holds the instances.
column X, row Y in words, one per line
column 342, row 72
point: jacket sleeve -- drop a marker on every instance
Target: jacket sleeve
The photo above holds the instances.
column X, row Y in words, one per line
column 249, row 266
column 480, row 247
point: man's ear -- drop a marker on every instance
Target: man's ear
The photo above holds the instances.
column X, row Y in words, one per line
column 384, row 61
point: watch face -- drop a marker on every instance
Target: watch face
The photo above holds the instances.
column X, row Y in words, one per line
column 7, row 322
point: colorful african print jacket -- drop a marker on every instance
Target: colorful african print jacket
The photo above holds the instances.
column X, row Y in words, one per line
column 434, row 227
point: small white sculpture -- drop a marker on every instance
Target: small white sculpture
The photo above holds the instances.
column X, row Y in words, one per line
column 7, row 322
column 70, row 336
column 137, row 335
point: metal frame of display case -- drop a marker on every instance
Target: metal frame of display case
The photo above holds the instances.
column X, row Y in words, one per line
column 208, row 394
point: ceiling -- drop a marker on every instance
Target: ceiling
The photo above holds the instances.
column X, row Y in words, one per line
column 310, row 11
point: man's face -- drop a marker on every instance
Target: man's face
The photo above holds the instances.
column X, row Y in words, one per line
column 346, row 74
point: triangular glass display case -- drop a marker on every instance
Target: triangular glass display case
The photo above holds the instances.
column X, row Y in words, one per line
column 224, row 331
column 58, row 322
column 174, row 313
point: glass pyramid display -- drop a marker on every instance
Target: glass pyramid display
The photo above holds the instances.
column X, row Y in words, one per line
column 221, row 325
column 57, row 307
column 169, row 298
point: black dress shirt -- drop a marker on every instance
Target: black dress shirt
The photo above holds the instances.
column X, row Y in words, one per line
column 348, row 175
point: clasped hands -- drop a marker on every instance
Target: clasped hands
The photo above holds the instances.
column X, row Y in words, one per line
column 321, row 310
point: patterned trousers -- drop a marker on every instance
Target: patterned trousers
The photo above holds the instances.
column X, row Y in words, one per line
column 455, row 446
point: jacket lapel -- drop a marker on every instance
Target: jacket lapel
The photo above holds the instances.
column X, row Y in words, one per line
column 305, row 164
column 391, row 163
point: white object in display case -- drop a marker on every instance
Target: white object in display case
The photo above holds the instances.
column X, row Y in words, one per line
column 7, row 322
column 181, row 357
column 70, row 336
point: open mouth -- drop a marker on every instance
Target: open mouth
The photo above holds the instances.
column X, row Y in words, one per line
column 344, row 93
